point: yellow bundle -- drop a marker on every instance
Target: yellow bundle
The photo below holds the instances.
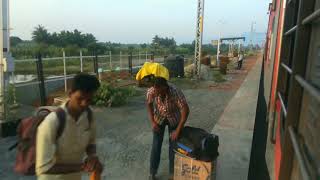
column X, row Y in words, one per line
column 155, row 69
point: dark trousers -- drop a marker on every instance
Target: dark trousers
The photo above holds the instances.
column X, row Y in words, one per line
column 240, row 64
column 156, row 149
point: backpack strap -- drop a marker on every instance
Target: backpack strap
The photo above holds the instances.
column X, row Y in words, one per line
column 89, row 116
column 62, row 121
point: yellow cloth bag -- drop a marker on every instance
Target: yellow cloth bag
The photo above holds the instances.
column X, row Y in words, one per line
column 155, row 69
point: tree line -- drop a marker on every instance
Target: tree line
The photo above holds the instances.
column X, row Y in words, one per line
column 52, row 45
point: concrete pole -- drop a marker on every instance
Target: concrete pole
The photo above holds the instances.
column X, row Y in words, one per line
column 2, row 88
column 239, row 47
column 64, row 71
column 9, row 53
column 4, row 48
column 5, row 27
column 110, row 60
column 81, row 62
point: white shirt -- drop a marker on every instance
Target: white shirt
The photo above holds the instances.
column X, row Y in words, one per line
column 70, row 148
column 240, row 57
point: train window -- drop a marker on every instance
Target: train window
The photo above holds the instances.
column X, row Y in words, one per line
column 309, row 130
column 310, row 115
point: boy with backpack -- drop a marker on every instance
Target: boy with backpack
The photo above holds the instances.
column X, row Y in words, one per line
column 61, row 158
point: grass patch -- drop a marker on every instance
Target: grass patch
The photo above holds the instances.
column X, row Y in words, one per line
column 218, row 77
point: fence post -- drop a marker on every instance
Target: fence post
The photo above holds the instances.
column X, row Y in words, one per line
column 146, row 56
column 130, row 62
column 64, row 71
column 81, row 62
column 95, row 64
column 100, row 70
column 139, row 60
column 152, row 57
column 110, row 60
column 42, row 89
column 120, row 60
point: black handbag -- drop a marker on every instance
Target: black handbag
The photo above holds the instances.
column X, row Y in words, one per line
column 198, row 144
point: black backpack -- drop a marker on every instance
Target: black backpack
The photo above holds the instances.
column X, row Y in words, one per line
column 198, row 143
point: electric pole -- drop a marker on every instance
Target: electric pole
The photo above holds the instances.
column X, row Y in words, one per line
column 251, row 34
column 198, row 40
column 2, row 81
column 6, row 60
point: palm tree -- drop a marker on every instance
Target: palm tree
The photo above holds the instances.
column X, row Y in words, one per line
column 41, row 35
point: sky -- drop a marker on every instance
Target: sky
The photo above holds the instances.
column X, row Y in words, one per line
column 137, row 21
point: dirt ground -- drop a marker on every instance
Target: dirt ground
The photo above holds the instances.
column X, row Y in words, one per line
column 124, row 134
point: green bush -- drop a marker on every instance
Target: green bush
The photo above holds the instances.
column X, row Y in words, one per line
column 110, row 96
column 218, row 77
column 10, row 95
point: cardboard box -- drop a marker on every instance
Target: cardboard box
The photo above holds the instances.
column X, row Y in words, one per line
column 186, row 168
